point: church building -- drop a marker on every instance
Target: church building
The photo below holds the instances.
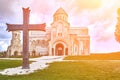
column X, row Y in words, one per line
column 60, row 39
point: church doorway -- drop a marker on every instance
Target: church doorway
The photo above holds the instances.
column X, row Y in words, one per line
column 59, row 49
column 15, row 53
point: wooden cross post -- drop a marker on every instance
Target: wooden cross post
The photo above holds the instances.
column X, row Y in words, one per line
column 25, row 27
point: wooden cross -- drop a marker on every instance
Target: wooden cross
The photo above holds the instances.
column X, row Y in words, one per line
column 25, row 27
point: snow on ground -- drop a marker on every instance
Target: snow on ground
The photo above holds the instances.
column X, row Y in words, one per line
column 40, row 63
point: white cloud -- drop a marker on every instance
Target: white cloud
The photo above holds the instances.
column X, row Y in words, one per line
column 3, row 45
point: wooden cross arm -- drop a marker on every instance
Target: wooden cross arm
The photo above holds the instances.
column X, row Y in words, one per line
column 13, row 27
column 36, row 27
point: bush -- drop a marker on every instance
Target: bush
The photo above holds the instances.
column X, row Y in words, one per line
column 3, row 54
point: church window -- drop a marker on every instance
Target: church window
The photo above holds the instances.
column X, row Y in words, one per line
column 57, row 17
column 59, row 34
column 60, row 17
column 63, row 17
column 59, row 30
column 15, row 35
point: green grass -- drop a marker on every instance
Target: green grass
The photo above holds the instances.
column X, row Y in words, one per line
column 22, row 56
column 81, row 70
column 9, row 63
column 107, row 56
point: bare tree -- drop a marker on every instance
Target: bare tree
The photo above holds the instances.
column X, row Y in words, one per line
column 117, row 30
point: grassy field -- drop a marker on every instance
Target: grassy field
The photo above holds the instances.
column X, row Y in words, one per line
column 22, row 57
column 79, row 70
column 107, row 56
column 9, row 63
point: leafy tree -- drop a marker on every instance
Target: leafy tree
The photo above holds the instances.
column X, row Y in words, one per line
column 117, row 30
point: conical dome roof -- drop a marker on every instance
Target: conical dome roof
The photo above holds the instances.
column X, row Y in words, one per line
column 60, row 11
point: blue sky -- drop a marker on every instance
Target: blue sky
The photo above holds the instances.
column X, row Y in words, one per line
column 100, row 16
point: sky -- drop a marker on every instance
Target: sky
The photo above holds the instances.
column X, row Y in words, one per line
column 100, row 16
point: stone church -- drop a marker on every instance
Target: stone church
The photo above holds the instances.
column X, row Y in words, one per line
column 59, row 39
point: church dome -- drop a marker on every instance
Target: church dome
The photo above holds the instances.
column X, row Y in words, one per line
column 60, row 11
column 60, row 14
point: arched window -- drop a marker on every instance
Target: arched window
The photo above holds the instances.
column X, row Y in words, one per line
column 59, row 29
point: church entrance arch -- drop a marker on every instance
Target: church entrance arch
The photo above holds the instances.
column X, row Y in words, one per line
column 15, row 53
column 59, row 48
